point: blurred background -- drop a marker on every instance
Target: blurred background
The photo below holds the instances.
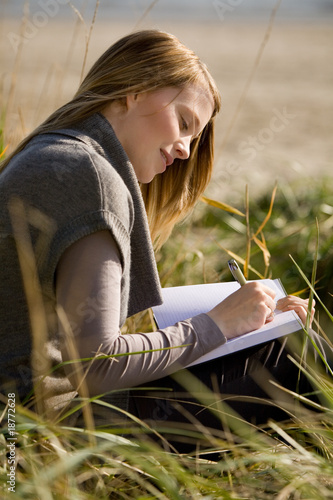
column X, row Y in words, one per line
column 275, row 75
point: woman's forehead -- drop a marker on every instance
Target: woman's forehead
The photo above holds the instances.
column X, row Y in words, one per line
column 200, row 101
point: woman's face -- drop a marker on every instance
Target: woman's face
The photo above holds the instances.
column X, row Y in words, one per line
column 157, row 127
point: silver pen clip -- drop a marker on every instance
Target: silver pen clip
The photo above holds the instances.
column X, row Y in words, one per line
column 236, row 272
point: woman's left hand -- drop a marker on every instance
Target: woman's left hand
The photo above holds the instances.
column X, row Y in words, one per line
column 300, row 306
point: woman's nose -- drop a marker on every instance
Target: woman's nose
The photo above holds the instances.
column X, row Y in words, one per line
column 182, row 148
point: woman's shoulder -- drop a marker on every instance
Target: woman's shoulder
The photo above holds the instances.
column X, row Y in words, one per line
column 64, row 157
column 56, row 168
column 59, row 148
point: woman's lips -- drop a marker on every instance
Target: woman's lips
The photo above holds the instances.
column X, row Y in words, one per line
column 167, row 158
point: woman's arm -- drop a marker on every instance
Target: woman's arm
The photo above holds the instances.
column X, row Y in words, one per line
column 88, row 288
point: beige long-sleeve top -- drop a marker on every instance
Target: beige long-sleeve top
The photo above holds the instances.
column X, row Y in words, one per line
column 88, row 291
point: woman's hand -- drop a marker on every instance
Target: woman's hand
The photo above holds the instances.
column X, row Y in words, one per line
column 300, row 306
column 245, row 310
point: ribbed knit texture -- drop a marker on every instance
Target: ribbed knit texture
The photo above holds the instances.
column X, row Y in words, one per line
column 73, row 182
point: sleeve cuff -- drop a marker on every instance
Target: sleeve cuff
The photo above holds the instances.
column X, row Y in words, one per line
column 208, row 332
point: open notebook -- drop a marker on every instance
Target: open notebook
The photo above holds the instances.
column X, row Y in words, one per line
column 184, row 302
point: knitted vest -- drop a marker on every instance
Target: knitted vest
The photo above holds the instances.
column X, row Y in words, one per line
column 72, row 182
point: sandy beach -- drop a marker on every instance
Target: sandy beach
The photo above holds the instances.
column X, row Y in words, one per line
column 280, row 129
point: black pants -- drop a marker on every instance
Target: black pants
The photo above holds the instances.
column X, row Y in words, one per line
column 208, row 393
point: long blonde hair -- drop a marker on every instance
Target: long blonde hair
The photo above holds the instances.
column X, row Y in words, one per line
column 141, row 62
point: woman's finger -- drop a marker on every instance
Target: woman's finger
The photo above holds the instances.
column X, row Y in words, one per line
column 301, row 309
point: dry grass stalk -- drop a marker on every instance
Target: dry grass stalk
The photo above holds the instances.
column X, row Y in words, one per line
column 144, row 15
column 248, row 233
column 39, row 327
column 12, row 88
column 88, row 36
column 251, row 75
column 81, row 386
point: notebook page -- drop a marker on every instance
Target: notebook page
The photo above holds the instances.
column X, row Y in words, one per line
column 184, row 302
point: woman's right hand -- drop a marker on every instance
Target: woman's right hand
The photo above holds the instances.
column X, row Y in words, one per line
column 245, row 310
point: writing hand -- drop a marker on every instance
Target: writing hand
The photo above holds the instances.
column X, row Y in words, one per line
column 245, row 310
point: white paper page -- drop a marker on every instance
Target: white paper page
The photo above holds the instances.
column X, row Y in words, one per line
column 184, row 302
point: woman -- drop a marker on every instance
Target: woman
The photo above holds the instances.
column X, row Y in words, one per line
column 126, row 158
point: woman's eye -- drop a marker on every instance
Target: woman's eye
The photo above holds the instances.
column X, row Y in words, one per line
column 184, row 124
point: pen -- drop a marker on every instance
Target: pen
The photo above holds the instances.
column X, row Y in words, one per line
column 236, row 272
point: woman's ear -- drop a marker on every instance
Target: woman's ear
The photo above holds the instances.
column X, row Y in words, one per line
column 133, row 99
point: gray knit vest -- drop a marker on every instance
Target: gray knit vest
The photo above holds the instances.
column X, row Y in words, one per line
column 72, row 182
